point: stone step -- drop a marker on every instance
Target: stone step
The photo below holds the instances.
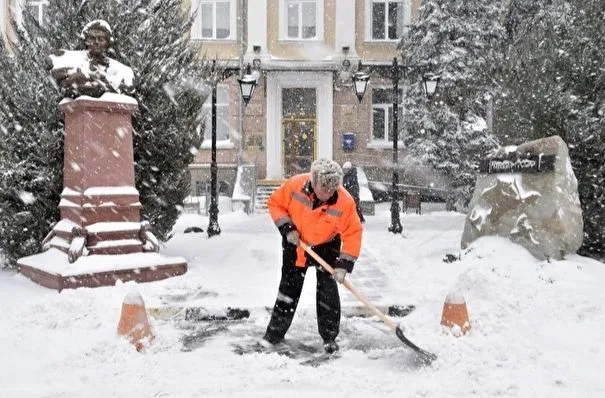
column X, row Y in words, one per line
column 262, row 195
column 60, row 242
column 111, row 231
column 118, row 246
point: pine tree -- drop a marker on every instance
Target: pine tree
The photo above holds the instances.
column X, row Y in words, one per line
column 518, row 13
column 586, row 127
column 554, row 84
column 31, row 151
column 532, row 105
column 151, row 36
column 461, row 42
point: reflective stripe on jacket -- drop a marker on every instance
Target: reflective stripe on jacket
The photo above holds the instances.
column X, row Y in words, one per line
column 293, row 203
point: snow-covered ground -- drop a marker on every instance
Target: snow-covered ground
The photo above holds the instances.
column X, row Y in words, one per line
column 538, row 328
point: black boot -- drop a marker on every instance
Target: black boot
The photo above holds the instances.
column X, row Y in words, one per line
column 330, row 347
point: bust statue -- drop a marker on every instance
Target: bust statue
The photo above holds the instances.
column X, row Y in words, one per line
column 91, row 72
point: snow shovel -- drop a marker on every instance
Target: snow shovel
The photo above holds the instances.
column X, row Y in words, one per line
column 425, row 357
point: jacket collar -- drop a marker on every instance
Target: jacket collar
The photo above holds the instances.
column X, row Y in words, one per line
column 308, row 190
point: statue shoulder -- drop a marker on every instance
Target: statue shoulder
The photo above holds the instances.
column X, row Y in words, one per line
column 125, row 72
column 67, row 59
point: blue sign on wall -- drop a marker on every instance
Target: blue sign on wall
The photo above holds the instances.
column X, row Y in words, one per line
column 349, row 141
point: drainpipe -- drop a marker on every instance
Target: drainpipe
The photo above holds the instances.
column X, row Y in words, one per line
column 242, row 27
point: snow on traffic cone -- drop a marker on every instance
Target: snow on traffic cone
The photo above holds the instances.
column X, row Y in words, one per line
column 455, row 314
column 133, row 322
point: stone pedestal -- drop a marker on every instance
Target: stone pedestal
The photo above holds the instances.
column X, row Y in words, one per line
column 100, row 208
column 528, row 194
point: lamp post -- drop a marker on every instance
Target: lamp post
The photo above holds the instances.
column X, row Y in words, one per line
column 430, row 83
column 360, row 82
column 395, row 226
column 213, row 227
column 247, row 85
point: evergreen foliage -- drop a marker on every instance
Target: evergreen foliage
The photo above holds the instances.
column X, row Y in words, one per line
column 151, row 36
column 461, row 41
column 540, row 61
column 554, row 84
column 31, row 154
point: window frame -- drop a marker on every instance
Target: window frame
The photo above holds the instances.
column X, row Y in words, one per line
column 20, row 6
column 319, row 21
column 385, row 142
column 407, row 12
column 196, row 28
column 2, row 21
column 40, row 6
column 220, row 107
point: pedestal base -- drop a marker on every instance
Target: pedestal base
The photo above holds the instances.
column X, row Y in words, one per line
column 53, row 270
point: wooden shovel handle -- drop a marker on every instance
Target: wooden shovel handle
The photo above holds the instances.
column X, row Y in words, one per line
column 387, row 321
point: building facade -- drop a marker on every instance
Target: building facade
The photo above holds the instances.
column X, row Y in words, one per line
column 304, row 53
column 14, row 8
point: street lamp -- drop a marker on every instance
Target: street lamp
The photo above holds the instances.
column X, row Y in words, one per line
column 247, row 84
column 430, row 83
column 360, row 82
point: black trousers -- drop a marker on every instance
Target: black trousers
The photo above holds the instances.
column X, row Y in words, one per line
column 327, row 300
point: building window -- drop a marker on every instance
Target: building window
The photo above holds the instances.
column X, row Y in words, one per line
column 301, row 20
column 38, row 9
column 386, row 19
column 382, row 115
column 2, row 22
column 214, row 19
column 222, row 115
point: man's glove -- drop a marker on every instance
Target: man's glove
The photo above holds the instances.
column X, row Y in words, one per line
column 339, row 275
column 293, row 237
column 347, row 265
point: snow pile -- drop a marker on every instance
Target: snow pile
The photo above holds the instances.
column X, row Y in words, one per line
column 537, row 327
column 365, row 195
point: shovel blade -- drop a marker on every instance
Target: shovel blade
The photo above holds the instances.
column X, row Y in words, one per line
column 424, row 357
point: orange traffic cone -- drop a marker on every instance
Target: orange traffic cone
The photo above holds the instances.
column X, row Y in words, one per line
column 455, row 312
column 133, row 321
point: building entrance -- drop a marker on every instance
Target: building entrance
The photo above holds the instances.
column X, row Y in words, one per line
column 299, row 133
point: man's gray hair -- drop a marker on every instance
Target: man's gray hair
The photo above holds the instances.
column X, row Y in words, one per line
column 327, row 174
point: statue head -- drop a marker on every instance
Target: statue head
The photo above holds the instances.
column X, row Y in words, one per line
column 97, row 36
column 91, row 72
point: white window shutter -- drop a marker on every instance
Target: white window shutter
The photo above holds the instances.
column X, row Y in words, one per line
column 407, row 19
column 196, row 28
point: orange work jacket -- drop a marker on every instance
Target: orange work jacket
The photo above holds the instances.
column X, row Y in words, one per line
column 293, row 203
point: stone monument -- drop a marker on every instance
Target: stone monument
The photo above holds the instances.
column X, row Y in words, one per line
column 100, row 238
column 528, row 194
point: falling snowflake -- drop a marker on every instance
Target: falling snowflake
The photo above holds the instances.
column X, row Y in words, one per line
column 27, row 197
